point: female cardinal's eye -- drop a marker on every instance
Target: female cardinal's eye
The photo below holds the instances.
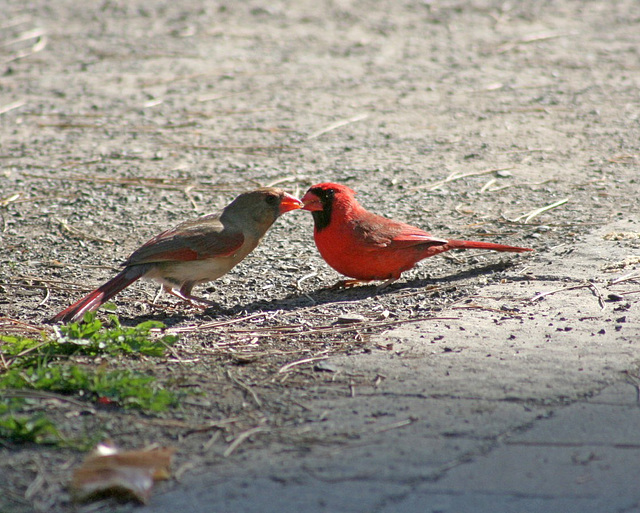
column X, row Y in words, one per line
column 271, row 199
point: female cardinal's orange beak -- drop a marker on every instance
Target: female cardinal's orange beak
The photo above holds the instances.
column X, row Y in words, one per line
column 311, row 202
column 289, row 203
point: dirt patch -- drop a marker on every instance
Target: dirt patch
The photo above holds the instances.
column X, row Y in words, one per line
column 122, row 119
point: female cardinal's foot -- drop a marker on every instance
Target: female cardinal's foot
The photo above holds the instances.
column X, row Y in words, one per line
column 198, row 302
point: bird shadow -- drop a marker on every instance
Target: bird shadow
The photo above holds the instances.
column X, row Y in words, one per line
column 325, row 296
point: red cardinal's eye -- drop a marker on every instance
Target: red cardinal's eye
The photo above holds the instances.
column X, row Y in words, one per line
column 272, row 200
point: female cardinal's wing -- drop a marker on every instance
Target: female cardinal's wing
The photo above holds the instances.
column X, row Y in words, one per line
column 196, row 239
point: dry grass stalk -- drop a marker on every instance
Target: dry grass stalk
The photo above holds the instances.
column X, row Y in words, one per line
column 11, row 106
column 541, row 295
column 487, row 309
column 337, row 124
column 395, row 425
column 506, row 47
column 246, row 388
column 526, row 184
column 241, row 438
column 534, row 213
column 23, row 326
column 626, row 277
column 83, row 235
column 291, row 365
column 40, row 44
column 588, row 285
column 157, row 182
column 458, row 176
column 598, row 294
column 215, row 324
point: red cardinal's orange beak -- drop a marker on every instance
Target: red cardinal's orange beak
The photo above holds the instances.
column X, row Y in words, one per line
column 311, row 202
column 289, row 203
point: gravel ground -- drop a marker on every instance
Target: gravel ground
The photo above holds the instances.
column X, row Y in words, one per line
column 121, row 119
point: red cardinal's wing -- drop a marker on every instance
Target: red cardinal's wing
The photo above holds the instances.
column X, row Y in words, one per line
column 196, row 239
column 375, row 231
column 416, row 239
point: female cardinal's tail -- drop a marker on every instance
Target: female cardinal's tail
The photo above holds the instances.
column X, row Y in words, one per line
column 101, row 295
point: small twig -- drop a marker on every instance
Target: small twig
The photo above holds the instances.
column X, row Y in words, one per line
column 530, row 215
column 246, row 388
column 11, row 106
column 38, row 46
column 486, row 308
column 337, row 124
column 26, row 352
column 241, row 438
column 215, row 97
column 597, row 293
column 161, row 183
column 528, row 40
column 216, row 424
column 46, row 296
column 9, row 199
column 305, row 278
column 540, row 295
column 626, row 277
column 395, row 425
column 212, row 440
column 175, row 354
column 284, row 179
column 628, row 292
column 39, row 198
column 187, row 193
column 487, row 185
column 270, row 331
column 80, row 233
column 36, row 485
column 458, row 176
column 43, row 394
column 289, row 366
column 623, row 158
column 215, row 324
column 248, row 149
column 25, row 36
column 25, row 325
column 525, row 184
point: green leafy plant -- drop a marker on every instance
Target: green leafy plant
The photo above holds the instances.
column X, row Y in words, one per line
column 29, row 429
column 123, row 387
column 88, row 337
column 42, row 363
column 91, row 338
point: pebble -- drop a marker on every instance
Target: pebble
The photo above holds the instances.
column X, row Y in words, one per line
column 324, row 366
column 351, row 318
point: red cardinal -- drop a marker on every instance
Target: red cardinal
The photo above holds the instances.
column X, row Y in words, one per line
column 366, row 246
column 195, row 251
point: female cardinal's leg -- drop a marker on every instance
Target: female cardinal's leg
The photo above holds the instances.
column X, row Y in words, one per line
column 184, row 293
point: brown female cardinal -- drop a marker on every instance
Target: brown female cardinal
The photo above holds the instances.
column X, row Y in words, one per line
column 366, row 246
column 195, row 251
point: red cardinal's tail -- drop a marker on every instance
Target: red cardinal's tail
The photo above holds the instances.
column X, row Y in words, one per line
column 470, row 244
column 101, row 295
